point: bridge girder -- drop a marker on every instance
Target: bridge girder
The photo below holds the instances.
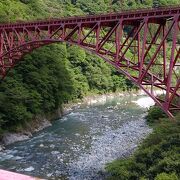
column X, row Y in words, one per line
column 134, row 42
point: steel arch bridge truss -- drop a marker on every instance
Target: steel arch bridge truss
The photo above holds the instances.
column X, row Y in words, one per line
column 143, row 45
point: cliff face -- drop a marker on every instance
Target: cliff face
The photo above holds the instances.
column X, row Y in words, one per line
column 35, row 125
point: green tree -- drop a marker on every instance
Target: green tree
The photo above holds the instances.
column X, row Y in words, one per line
column 165, row 176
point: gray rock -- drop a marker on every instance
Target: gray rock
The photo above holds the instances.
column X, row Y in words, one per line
column 55, row 152
column 52, row 146
column 2, row 148
column 29, row 169
column 9, row 138
column 49, row 175
column 44, row 124
column 41, row 145
column 106, row 148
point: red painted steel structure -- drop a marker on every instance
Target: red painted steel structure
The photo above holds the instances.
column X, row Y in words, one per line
column 6, row 175
column 134, row 42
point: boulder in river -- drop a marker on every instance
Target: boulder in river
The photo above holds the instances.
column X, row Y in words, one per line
column 41, row 145
column 9, row 138
column 29, row 169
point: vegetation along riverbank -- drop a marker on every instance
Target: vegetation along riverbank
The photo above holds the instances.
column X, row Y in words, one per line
column 158, row 157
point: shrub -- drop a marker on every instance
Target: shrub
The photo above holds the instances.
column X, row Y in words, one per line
column 165, row 176
column 157, row 158
column 154, row 114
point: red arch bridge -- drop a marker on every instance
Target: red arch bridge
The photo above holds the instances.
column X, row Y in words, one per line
column 144, row 45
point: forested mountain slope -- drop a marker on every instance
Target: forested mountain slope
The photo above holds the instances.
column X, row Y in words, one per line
column 12, row 10
column 57, row 74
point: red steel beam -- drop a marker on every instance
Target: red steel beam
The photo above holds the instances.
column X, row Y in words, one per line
column 6, row 175
column 122, row 39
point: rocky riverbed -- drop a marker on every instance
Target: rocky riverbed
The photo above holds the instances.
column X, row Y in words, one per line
column 113, row 144
column 78, row 145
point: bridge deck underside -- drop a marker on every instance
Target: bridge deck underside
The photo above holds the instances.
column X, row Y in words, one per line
column 143, row 45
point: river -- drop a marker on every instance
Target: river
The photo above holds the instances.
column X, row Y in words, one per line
column 79, row 145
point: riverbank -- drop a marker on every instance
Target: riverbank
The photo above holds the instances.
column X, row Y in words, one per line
column 119, row 143
column 44, row 121
column 157, row 157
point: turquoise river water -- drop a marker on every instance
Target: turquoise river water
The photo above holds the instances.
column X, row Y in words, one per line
column 79, row 145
